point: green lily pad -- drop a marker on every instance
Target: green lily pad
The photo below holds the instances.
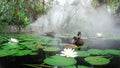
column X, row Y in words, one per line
column 10, row 45
column 51, row 49
column 112, row 52
column 25, row 38
column 33, row 53
column 95, row 51
column 60, row 61
column 97, row 60
column 23, row 52
column 8, row 52
column 83, row 53
column 79, row 66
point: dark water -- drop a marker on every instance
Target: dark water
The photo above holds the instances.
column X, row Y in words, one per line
column 19, row 61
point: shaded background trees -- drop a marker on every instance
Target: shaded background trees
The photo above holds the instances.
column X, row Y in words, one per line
column 17, row 14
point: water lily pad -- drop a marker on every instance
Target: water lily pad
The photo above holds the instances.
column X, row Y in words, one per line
column 95, row 51
column 112, row 52
column 33, row 53
column 97, row 60
column 60, row 61
column 3, row 53
column 7, row 52
column 76, row 67
column 10, row 45
column 83, row 53
column 23, row 52
column 51, row 49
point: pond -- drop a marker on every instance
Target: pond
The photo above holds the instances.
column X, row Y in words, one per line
column 44, row 52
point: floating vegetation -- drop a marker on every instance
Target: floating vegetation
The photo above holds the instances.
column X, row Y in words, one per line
column 95, row 51
column 112, row 52
column 7, row 52
column 79, row 66
column 60, row 61
column 83, row 53
column 10, row 45
column 23, row 52
column 27, row 45
column 97, row 60
column 51, row 49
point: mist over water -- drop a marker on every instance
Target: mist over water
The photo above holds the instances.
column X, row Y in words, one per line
column 70, row 16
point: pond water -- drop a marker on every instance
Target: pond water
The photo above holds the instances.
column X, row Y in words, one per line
column 27, row 61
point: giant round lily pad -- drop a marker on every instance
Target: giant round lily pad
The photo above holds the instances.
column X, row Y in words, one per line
column 82, row 53
column 51, row 49
column 95, row 51
column 79, row 66
column 60, row 61
column 97, row 60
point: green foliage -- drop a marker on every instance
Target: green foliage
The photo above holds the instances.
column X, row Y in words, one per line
column 59, row 61
column 51, row 49
column 79, row 66
column 97, row 60
column 19, row 12
column 27, row 45
column 111, row 4
column 23, row 52
column 83, row 53
column 95, row 51
column 112, row 52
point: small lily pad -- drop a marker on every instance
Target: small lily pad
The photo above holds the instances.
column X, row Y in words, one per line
column 83, row 53
column 79, row 66
column 51, row 49
column 97, row 60
column 60, row 61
